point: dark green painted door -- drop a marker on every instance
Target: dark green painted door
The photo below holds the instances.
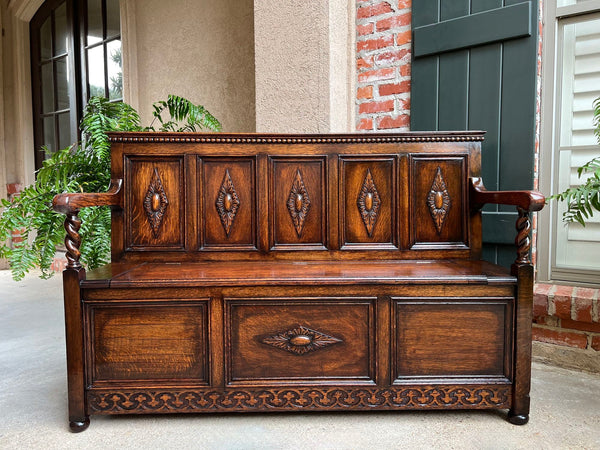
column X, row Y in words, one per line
column 474, row 68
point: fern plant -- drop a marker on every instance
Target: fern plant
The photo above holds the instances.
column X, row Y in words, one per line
column 81, row 168
column 584, row 200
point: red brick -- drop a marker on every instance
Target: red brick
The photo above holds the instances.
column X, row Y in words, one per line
column 13, row 188
column 375, row 107
column 376, row 75
column 404, row 104
column 565, row 338
column 387, row 122
column 540, row 299
column 373, row 10
column 365, row 124
column 581, row 326
column 402, row 4
column 403, row 38
column 375, row 44
column 365, row 29
column 596, row 343
column 364, row 63
column 405, row 70
column 562, row 301
column 364, row 92
column 583, row 309
column 391, row 57
column 398, row 21
column 394, row 88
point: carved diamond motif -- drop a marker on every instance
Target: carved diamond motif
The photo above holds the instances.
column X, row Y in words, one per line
column 155, row 203
column 438, row 201
column 369, row 203
column 298, row 203
column 227, row 202
column 300, row 340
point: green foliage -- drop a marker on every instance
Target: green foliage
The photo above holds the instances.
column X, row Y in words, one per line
column 79, row 168
column 184, row 116
column 584, row 200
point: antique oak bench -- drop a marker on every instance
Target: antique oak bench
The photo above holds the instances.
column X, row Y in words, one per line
column 255, row 272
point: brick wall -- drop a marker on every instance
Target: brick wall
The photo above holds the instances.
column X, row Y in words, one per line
column 383, row 64
column 567, row 316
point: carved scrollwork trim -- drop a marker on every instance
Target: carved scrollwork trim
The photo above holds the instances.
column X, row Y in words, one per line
column 437, row 397
column 155, row 203
column 522, row 241
column 227, row 202
column 438, row 200
column 368, row 203
column 300, row 340
column 298, row 203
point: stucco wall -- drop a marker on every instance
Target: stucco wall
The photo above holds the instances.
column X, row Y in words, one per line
column 302, row 72
column 200, row 49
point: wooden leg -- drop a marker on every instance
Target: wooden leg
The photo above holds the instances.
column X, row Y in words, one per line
column 78, row 418
column 519, row 413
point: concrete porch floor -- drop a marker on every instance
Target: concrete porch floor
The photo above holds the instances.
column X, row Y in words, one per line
column 565, row 404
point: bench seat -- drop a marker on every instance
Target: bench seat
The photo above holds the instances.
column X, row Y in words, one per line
column 257, row 273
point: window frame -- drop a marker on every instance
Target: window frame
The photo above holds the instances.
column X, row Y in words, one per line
column 554, row 19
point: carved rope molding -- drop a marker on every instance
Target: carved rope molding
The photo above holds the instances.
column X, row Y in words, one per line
column 439, row 201
column 73, row 240
column 493, row 396
column 300, row 340
column 295, row 140
column 522, row 241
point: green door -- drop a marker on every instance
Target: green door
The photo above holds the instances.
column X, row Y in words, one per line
column 474, row 68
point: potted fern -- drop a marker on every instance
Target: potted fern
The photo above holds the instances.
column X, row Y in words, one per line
column 584, row 199
column 83, row 167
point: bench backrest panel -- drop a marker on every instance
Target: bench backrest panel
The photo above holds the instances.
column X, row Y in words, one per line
column 230, row 196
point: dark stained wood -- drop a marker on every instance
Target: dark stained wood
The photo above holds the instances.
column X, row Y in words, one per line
column 291, row 341
column 148, row 342
column 257, row 272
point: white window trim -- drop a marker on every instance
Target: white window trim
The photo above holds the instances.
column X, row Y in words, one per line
column 548, row 167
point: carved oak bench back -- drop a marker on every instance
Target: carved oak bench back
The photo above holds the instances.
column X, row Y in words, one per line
column 231, row 196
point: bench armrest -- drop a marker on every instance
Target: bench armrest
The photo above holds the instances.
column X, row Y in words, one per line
column 72, row 203
column 525, row 200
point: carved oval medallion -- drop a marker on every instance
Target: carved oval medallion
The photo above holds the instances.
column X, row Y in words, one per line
column 227, row 203
column 300, row 340
column 155, row 201
column 299, row 202
column 439, row 200
column 369, row 201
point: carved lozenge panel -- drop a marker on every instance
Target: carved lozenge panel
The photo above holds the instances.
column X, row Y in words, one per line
column 290, row 340
column 298, row 202
column 155, row 197
column 368, row 202
column 228, row 211
column 438, row 217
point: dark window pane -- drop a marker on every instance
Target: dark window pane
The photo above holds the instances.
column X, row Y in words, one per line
column 64, row 130
column 61, row 32
column 94, row 21
column 115, row 74
column 62, row 83
column 46, row 39
column 47, row 88
column 49, row 133
column 96, row 71
column 113, row 25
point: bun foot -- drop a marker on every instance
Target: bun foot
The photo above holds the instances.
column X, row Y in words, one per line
column 517, row 419
column 79, row 426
